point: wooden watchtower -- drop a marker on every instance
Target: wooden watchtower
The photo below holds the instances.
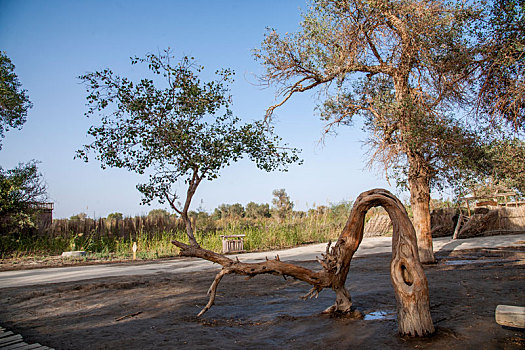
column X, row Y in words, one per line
column 44, row 214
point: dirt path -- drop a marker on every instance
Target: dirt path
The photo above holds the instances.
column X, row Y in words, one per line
column 25, row 277
column 266, row 312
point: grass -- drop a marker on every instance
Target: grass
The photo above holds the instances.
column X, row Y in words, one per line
column 261, row 234
column 106, row 239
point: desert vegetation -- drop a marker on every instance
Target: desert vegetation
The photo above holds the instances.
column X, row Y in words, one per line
column 265, row 227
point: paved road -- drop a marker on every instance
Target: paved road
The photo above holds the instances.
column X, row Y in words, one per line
column 305, row 253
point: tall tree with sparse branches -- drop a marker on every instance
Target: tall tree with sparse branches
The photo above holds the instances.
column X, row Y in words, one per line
column 401, row 65
column 182, row 131
column 501, row 83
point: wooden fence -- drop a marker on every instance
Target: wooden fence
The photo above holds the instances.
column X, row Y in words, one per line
column 116, row 227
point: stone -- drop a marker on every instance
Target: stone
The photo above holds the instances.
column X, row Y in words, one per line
column 74, row 254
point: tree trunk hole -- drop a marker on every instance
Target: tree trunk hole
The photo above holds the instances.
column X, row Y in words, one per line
column 407, row 277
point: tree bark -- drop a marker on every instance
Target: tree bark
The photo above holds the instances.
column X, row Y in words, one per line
column 419, row 185
column 407, row 275
column 189, row 229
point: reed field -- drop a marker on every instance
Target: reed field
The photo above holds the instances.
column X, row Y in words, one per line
column 112, row 238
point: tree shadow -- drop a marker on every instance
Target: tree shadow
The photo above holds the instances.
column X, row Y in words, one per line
column 448, row 248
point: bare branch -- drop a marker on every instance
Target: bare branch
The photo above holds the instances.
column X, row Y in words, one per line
column 213, row 290
column 313, row 293
column 172, row 202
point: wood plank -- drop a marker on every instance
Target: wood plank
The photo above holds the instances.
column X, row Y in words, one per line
column 3, row 346
column 27, row 347
column 510, row 316
column 31, row 347
column 10, row 339
column 15, row 346
column 13, row 342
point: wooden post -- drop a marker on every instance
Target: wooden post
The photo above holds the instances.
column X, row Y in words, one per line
column 134, row 250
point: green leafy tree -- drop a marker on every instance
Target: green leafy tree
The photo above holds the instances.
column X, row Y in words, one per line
column 222, row 211
column 400, row 65
column 237, row 210
column 232, row 211
column 78, row 217
column 282, row 203
column 115, row 216
column 217, row 214
column 14, row 102
column 22, row 186
column 199, row 215
column 499, row 167
column 256, row 211
column 158, row 213
column 20, row 189
column 182, row 131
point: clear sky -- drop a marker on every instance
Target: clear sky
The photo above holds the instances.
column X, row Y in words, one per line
column 52, row 42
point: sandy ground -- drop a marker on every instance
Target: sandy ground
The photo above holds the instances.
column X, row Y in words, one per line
column 266, row 311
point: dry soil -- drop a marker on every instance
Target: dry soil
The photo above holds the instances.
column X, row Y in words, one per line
column 159, row 311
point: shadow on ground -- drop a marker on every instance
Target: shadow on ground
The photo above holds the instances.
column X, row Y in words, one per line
column 266, row 311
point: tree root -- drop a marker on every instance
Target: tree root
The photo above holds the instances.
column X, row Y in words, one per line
column 353, row 313
column 313, row 293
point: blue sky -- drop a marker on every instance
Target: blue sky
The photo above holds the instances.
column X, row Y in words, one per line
column 51, row 43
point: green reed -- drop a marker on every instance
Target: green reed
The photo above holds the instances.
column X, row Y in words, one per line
column 261, row 234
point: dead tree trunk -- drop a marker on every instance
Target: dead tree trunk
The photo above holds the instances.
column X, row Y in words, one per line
column 407, row 275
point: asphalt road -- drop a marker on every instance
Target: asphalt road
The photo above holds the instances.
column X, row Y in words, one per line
column 377, row 245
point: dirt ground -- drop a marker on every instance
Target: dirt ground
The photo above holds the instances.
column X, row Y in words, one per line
column 29, row 263
column 266, row 311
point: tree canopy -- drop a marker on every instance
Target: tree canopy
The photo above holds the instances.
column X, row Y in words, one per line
column 282, row 203
column 254, row 210
column 175, row 128
column 20, row 188
column 401, row 65
column 14, row 101
column 501, row 84
column 506, row 163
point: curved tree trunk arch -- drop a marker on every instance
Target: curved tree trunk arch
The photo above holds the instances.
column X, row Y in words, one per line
column 407, row 275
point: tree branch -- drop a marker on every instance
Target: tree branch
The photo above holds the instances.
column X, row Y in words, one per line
column 213, row 290
column 319, row 280
column 172, row 203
